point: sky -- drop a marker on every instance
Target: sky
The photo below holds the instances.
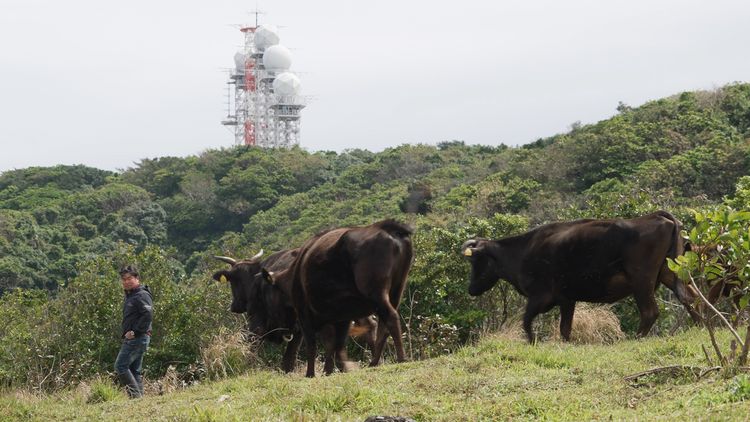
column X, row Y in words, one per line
column 107, row 84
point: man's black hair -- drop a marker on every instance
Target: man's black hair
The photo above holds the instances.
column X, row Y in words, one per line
column 131, row 270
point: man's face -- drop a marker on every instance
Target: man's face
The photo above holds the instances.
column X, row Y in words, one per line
column 129, row 281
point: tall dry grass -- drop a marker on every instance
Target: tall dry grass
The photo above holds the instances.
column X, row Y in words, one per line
column 228, row 353
column 592, row 324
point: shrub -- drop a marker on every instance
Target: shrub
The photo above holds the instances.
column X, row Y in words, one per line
column 102, row 390
column 438, row 279
column 431, row 336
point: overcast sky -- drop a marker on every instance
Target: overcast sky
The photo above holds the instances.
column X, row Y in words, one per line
column 108, row 83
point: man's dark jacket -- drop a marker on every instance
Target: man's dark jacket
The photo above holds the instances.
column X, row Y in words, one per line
column 137, row 311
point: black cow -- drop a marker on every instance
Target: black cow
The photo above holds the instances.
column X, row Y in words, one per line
column 599, row 261
column 349, row 273
column 269, row 310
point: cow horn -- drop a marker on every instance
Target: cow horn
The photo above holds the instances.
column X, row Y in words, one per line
column 257, row 255
column 268, row 276
column 228, row 260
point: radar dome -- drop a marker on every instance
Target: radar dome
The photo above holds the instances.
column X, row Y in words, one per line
column 277, row 58
column 266, row 36
column 239, row 61
column 286, row 83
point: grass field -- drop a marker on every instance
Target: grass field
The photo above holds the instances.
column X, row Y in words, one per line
column 501, row 378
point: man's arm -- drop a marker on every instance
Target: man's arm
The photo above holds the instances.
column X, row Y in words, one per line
column 146, row 315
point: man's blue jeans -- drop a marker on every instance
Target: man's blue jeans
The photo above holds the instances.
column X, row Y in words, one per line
column 130, row 358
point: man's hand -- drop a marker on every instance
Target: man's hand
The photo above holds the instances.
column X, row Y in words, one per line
column 130, row 335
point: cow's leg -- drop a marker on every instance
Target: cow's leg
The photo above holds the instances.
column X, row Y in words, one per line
column 341, row 332
column 535, row 305
column 333, row 337
column 290, row 354
column 388, row 316
column 326, row 335
column 647, row 308
column 380, row 338
column 567, row 308
column 310, row 345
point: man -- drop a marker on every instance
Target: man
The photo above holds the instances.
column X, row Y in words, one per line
column 137, row 314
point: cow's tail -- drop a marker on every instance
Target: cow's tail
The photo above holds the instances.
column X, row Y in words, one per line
column 678, row 244
column 686, row 294
column 395, row 228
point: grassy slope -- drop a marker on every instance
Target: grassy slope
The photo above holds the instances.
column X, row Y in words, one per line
column 498, row 379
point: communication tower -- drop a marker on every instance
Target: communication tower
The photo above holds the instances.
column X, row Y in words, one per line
column 267, row 100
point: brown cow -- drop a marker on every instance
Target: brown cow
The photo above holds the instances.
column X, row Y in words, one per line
column 599, row 261
column 345, row 274
column 270, row 313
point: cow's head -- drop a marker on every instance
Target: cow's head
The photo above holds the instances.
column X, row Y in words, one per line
column 267, row 307
column 484, row 267
column 241, row 277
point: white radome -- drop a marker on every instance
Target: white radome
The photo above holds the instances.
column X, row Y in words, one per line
column 266, row 36
column 239, row 61
column 287, row 84
column 277, row 58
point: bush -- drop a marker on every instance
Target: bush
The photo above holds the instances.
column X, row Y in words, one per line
column 431, row 336
column 439, row 277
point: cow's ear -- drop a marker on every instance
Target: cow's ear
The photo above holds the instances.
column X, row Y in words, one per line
column 222, row 276
column 470, row 248
column 268, row 276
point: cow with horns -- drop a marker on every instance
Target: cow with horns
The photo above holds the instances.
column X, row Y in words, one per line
column 598, row 261
column 269, row 310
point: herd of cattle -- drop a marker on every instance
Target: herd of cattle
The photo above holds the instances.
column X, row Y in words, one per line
column 352, row 273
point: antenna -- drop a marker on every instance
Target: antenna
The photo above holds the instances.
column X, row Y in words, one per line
column 266, row 94
column 257, row 12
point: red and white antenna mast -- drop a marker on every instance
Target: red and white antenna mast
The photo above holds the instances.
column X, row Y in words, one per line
column 266, row 94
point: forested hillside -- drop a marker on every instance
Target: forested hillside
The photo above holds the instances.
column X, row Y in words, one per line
column 64, row 229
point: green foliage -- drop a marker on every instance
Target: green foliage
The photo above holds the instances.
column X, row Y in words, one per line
column 611, row 198
column 439, row 277
column 736, row 104
column 61, row 177
column 739, row 389
column 103, row 390
column 720, row 256
column 741, row 198
column 22, row 247
column 21, row 311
